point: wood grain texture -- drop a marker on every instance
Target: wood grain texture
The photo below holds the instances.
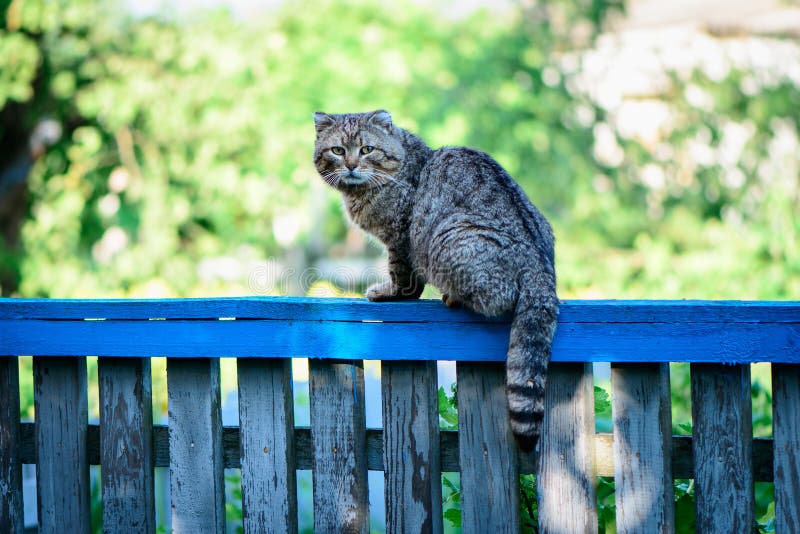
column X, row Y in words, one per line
column 338, row 431
column 197, row 489
column 566, row 478
column 475, row 341
column 266, row 421
column 642, row 448
column 722, row 425
column 126, row 444
column 487, row 451
column 617, row 331
column 425, row 311
column 11, row 516
column 413, row 484
column 62, row 467
column 786, row 432
column 682, row 460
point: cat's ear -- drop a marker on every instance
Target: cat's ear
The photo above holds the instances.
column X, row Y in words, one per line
column 382, row 119
column 322, row 121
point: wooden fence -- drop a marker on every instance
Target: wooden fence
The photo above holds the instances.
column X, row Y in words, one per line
column 720, row 339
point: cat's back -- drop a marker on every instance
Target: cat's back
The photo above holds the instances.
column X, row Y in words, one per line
column 470, row 183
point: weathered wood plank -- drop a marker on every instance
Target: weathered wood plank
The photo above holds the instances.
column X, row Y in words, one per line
column 349, row 309
column 574, row 342
column 197, row 488
column 722, row 424
column 642, row 446
column 338, row 431
column 266, row 420
column 62, row 469
column 11, row 517
column 487, row 451
column 566, row 478
column 126, row 444
column 413, row 483
column 786, row 432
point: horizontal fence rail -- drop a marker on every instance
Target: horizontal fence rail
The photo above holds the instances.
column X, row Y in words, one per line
column 680, row 446
column 588, row 331
column 639, row 338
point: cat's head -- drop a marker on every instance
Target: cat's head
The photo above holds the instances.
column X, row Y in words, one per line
column 357, row 150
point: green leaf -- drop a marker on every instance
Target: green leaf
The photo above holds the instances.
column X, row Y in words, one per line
column 602, row 402
column 766, row 523
column 447, row 482
column 448, row 413
column 454, row 516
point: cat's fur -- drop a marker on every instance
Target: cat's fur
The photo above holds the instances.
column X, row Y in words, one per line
column 455, row 219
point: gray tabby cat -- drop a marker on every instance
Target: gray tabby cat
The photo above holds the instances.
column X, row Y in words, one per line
column 455, row 219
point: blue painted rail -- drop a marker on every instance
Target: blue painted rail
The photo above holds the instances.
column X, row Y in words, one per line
column 639, row 338
column 588, row 331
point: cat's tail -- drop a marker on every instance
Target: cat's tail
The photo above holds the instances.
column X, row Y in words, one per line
column 532, row 331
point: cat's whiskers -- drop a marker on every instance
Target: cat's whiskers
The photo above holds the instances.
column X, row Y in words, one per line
column 332, row 178
column 381, row 178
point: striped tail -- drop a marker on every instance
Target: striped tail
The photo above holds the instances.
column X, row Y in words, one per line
column 532, row 333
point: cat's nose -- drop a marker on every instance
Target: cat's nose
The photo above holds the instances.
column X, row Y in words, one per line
column 351, row 165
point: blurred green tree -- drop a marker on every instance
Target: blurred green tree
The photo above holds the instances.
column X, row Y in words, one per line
column 183, row 159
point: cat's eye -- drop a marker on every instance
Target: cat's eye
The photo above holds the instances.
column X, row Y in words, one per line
column 339, row 151
column 367, row 149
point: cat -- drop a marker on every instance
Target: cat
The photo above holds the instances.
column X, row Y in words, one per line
column 453, row 218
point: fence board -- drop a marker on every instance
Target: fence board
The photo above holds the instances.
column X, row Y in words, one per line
column 338, row 431
column 413, row 484
column 722, row 425
column 197, row 489
column 566, row 472
column 266, row 421
column 11, row 517
column 126, row 444
column 62, row 469
column 487, row 451
column 786, row 431
column 642, row 448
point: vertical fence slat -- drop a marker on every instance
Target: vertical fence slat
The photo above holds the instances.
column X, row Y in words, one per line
column 642, row 448
column 62, row 468
column 786, row 432
column 722, row 427
column 338, row 431
column 126, row 444
column 10, row 466
column 487, row 451
column 266, row 420
column 197, row 488
column 566, row 482
column 412, row 474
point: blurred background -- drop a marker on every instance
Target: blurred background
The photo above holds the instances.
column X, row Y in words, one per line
column 163, row 149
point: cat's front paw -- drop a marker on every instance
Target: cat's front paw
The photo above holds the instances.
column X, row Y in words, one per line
column 451, row 301
column 382, row 291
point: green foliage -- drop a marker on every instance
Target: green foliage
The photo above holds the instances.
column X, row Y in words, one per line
column 529, row 508
column 18, row 59
column 766, row 523
column 233, row 501
column 451, row 499
column 185, row 157
column 448, row 408
column 684, row 507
